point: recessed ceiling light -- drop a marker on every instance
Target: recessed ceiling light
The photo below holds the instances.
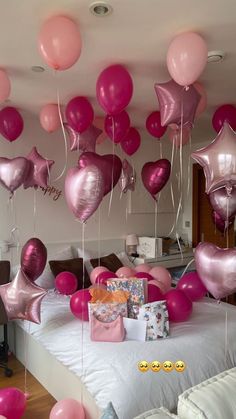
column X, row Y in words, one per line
column 37, row 69
column 100, row 8
column 215, row 56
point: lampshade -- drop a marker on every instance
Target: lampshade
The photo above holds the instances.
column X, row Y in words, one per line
column 132, row 240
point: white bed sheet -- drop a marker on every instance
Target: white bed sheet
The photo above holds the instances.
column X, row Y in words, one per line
column 109, row 370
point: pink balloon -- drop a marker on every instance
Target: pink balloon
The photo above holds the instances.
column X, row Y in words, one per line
column 192, row 286
column 128, row 177
column 13, row 172
column 187, row 58
column 221, row 224
column 5, row 85
column 33, row 258
column 38, row 173
column 79, row 304
column 203, row 101
column 160, row 285
column 175, row 135
column 125, row 272
column 104, row 276
column 85, row 141
column 11, row 123
column 162, row 275
column 154, row 293
column 49, row 117
column 67, row 409
column 153, row 125
column 99, row 123
column 66, row 283
column 143, row 267
column 144, row 275
column 12, row 403
column 114, row 89
column 95, row 272
column 179, row 305
column 225, row 113
column 79, row 113
column 117, row 126
column 155, row 175
column 60, row 42
column 131, row 143
column 224, row 204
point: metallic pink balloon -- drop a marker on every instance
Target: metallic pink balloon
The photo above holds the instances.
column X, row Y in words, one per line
column 176, row 103
column 22, row 298
column 153, row 125
column 11, row 123
column 39, row 170
column 117, row 126
column 85, row 141
column 218, row 160
column 220, row 223
column 12, row 403
column 33, row 258
column 131, row 143
column 223, row 203
column 216, row 268
column 128, row 177
column 13, row 172
column 109, row 164
column 175, row 135
column 84, row 189
column 155, row 175
column 79, row 113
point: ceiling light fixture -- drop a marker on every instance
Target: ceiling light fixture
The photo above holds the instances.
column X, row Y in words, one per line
column 215, row 56
column 100, row 8
column 37, row 69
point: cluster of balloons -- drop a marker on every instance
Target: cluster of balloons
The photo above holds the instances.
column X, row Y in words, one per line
column 67, row 409
column 12, row 403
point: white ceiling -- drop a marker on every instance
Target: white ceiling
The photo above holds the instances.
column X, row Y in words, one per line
column 136, row 34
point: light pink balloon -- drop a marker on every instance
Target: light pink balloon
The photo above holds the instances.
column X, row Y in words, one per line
column 187, row 58
column 162, row 275
column 95, row 272
column 203, row 101
column 143, row 267
column 49, row 117
column 160, row 285
column 125, row 272
column 38, row 173
column 60, row 42
column 175, row 135
column 5, row 86
column 67, row 409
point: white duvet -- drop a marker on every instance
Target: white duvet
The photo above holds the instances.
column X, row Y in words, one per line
column 109, row 370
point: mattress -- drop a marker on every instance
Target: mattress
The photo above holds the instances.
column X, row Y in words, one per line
column 110, row 370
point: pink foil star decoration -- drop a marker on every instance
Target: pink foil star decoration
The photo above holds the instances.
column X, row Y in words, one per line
column 128, row 177
column 85, row 141
column 39, row 170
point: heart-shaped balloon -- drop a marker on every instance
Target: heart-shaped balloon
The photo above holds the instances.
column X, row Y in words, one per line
column 221, row 224
column 13, row 172
column 216, row 268
column 155, row 175
column 110, row 165
column 84, row 189
column 220, row 200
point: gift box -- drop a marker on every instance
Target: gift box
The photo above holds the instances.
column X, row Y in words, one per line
column 107, row 306
column 156, row 316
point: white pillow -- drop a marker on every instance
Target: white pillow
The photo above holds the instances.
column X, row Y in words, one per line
column 125, row 260
column 160, row 413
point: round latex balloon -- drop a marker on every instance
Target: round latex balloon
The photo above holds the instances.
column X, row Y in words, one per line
column 12, row 403
column 49, row 117
column 131, row 142
column 79, row 304
column 154, row 293
column 66, row 283
column 179, row 305
column 67, row 409
column 225, row 113
column 79, row 113
column 117, row 126
column 11, row 123
column 95, row 272
column 192, row 286
column 153, row 125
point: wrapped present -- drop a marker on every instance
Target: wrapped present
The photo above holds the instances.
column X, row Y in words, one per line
column 107, row 306
column 137, row 289
column 156, row 316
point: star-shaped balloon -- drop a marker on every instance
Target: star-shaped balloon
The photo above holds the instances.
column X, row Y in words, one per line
column 39, row 170
column 22, row 298
column 177, row 103
column 128, row 177
column 218, row 160
column 86, row 141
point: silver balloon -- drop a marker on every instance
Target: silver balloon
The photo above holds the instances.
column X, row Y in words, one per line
column 128, row 177
column 13, row 172
column 86, row 141
column 224, row 203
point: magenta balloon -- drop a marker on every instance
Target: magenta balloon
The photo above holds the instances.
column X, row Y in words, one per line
column 153, row 125
column 67, row 409
column 13, row 172
column 11, row 123
column 33, row 258
column 155, row 175
column 154, row 293
column 109, row 164
column 192, row 286
column 104, row 276
column 131, row 143
column 144, row 275
column 221, row 224
column 117, row 126
column 225, row 113
column 79, row 304
column 66, row 283
column 223, row 203
column 95, row 272
column 12, row 403
column 160, row 285
column 114, row 89
column 79, row 113
column 179, row 305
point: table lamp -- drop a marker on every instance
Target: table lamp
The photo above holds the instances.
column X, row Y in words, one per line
column 131, row 245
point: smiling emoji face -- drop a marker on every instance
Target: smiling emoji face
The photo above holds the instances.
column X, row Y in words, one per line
column 167, row 366
column 155, row 366
column 143, row 366
column 180, row 366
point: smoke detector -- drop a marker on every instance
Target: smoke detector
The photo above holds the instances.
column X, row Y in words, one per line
column 37, row 69
column 100, row 8
column 215, row 56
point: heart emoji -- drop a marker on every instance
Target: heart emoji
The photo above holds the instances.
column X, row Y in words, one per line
column 110, row 165
column 220, row 200
column 216, row 268
column 13, row 172
column 155, row 175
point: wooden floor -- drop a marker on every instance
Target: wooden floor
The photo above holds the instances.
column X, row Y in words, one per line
column 40, row 401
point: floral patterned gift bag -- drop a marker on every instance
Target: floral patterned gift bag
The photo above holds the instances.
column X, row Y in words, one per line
column 107, row 306
column 156, row 316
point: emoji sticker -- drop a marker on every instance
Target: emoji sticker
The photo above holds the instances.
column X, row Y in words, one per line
column 167, row 366
column 180, row 366
column 155, row 366
column 143, row 366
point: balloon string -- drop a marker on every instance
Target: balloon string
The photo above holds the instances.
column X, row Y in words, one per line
column 189, row 165
column 99, row 236
column 226, row 335
column 171, row 188
column 26, row 346
column 160, row 147
column 82, row 325
column 181, row 172
column 35, row 211
column 186, row 268
column 15, row 232
column 227, row 225
column 155, row 225
column 113, row 160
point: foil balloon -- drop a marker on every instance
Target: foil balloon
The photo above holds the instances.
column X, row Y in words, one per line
column 216, row 268
column 153, row 125
column 84, row 189
column 11, row 123
column 218, row 160
column 128, row 177
column 12, row 403
column 33, row 258
column 224, row 203
column 179, row 137
column 117, row 126
column 177, row 105
column 13, row 172
column 85, row 141
column 22, row 298
column 110, row 165
column 155, row 175
column 39, row 170
column 221, row 224
column 131, row 143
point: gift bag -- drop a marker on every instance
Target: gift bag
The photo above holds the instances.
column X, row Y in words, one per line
column 156, row 316
column 106, row 306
